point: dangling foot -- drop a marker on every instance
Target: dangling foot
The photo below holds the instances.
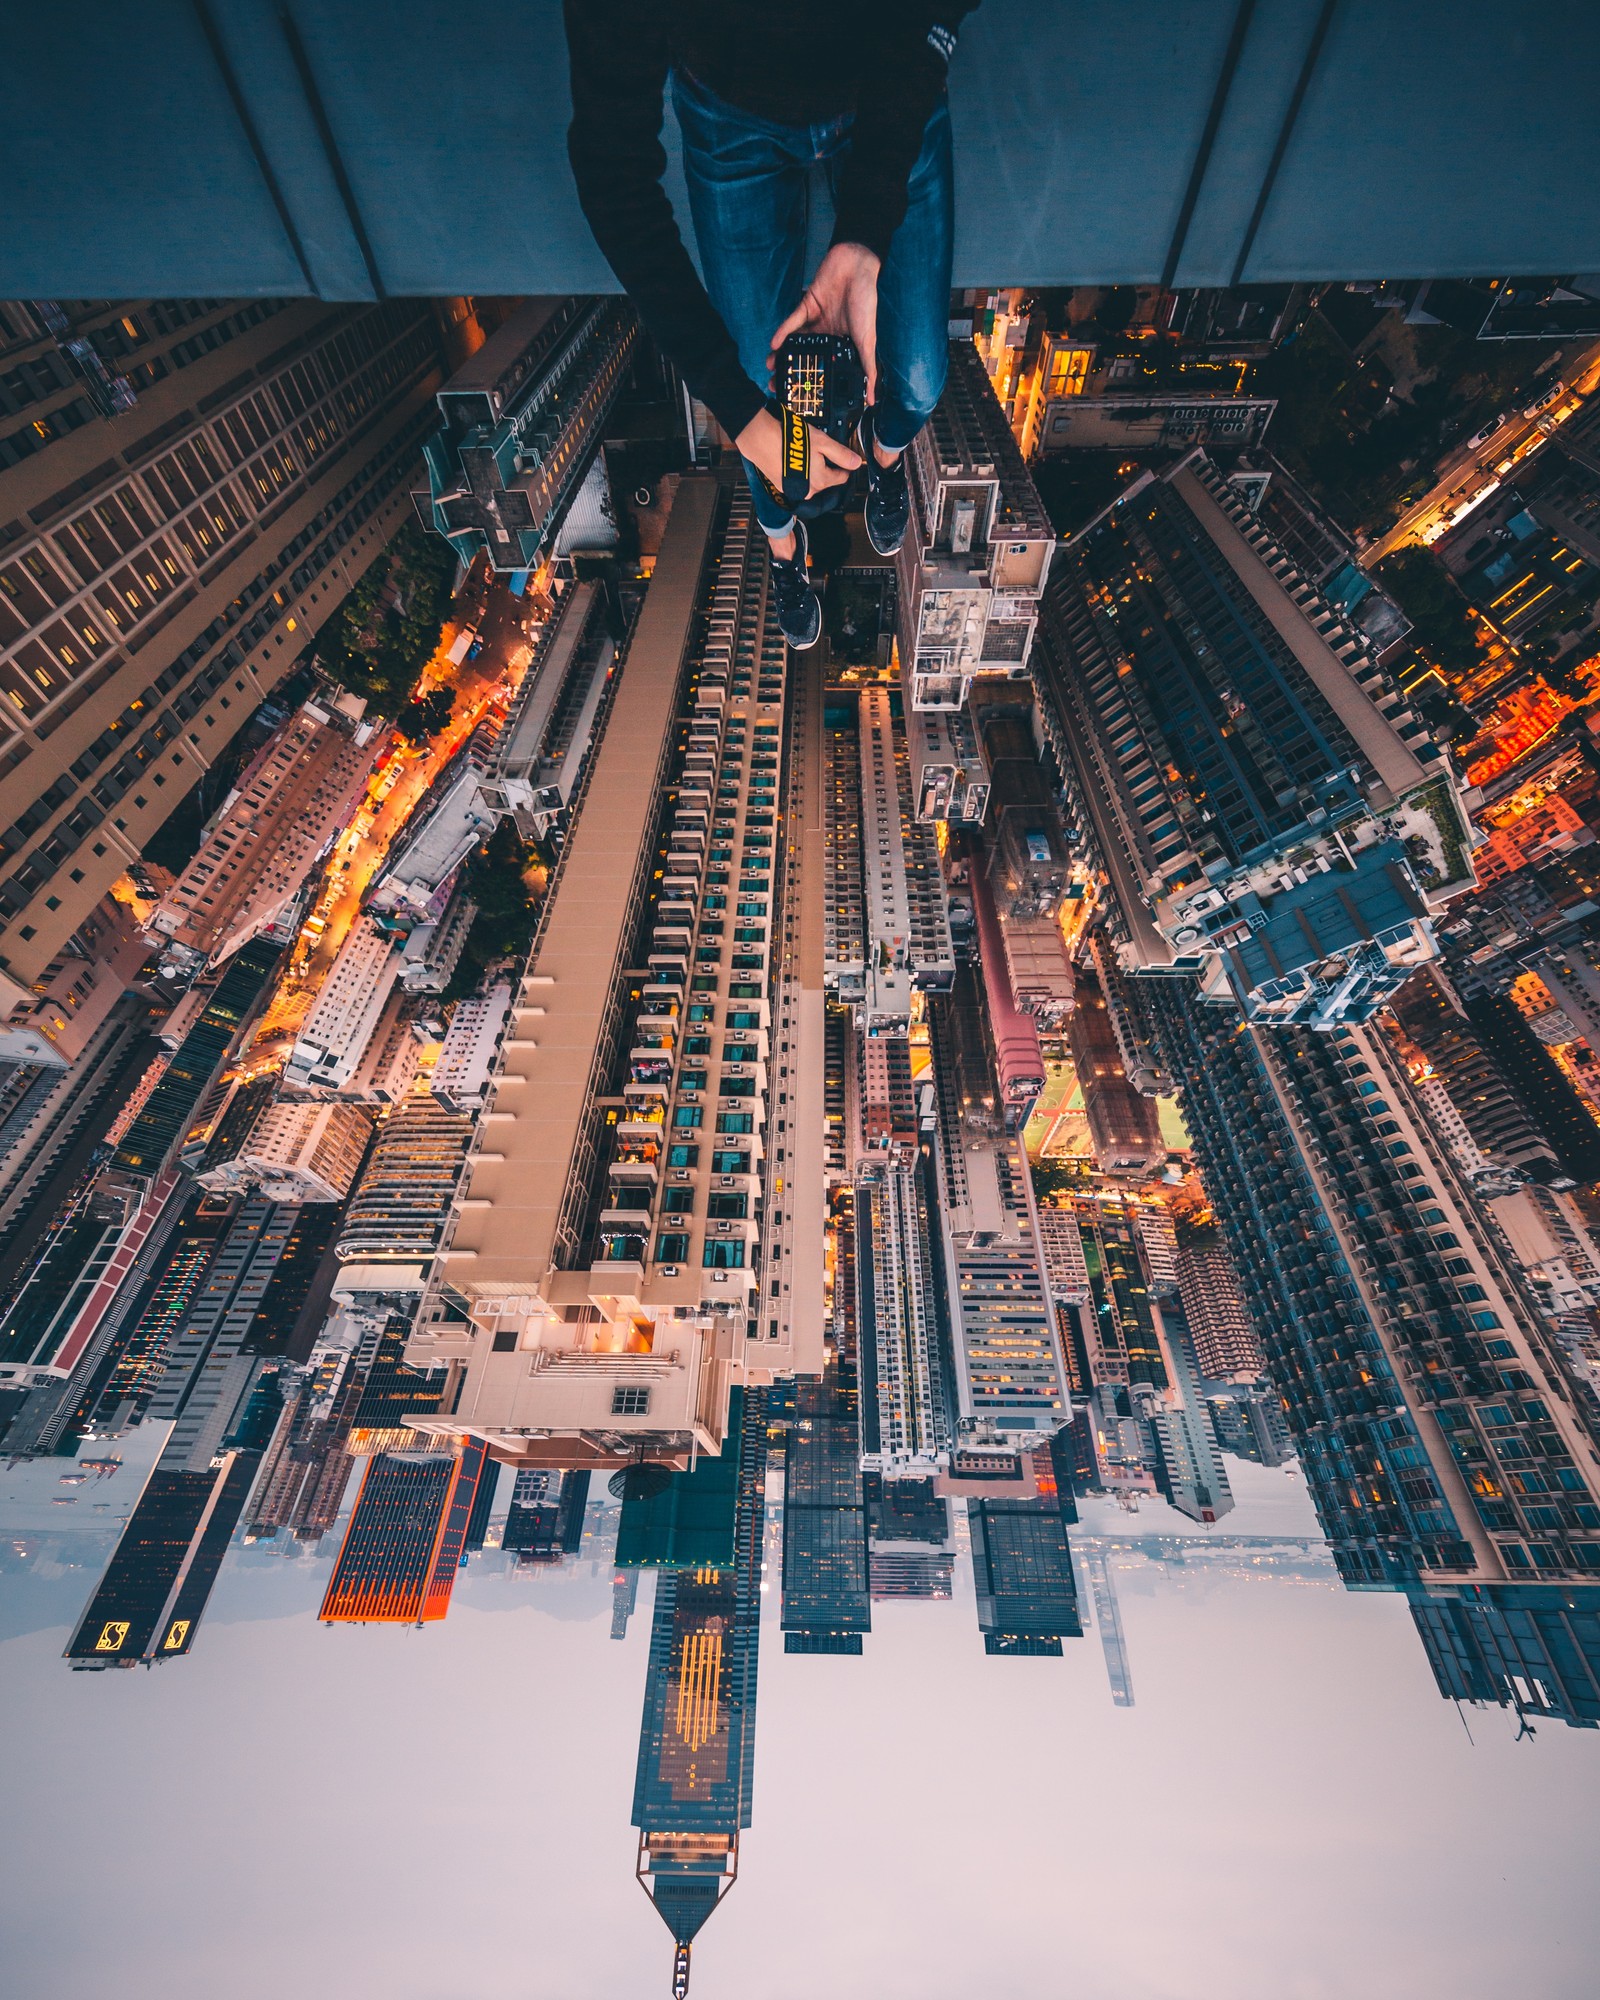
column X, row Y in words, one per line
column 888, row 503
column 798, row 607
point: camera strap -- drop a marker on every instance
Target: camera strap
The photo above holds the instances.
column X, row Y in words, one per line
column 796, row 457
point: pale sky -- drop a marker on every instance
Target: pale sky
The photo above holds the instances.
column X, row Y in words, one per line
column 1289, row 1811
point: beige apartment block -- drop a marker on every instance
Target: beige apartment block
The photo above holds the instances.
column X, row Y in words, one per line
column 298, row 791
column 600, row 1280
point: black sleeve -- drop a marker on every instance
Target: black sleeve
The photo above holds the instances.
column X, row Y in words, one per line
column 902, row 82
column 619, row 59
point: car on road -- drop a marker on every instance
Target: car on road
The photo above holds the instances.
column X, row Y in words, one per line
column 1480, row 438
column 1550, row 397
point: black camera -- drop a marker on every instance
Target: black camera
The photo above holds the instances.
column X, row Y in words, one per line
column 818, row 379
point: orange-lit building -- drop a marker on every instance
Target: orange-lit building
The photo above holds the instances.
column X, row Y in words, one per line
column 406, row 1536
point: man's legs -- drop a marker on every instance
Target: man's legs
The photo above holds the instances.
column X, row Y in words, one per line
column 747, row 198
column 914, row 295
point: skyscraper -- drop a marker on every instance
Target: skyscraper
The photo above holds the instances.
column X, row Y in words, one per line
column 400, row 1201
column 1268, row 810
column 1022, row 1571
column 161, row 1573
column 151, row 1139
column 977, row 549
column 522, row 422
column 601, row 1281
column 1447, row 1447
column 545, row 1520
column 694, row 1784
column 406, row 1536
column 170, row 551
column 296, row 793
column 826, row 1603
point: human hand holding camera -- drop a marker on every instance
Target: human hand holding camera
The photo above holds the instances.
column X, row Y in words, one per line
column 843, row 299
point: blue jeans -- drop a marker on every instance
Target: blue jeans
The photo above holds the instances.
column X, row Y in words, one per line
column 748, row 197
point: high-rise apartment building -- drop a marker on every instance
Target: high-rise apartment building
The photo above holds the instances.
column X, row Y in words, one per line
column 1007, row 1366
column 466, row 1062
column 49, row 1024
column 163, row 563
column 900, row 1327
column 1446, row 1445
column 522, row 422
column 295, row 795
column 907, row 933
column 401, row 1202
column 539, row 754
column 601, row 1282
column 343, row 1018
column 1433, row 1020
column 1225, row 1341
column 1267, row 809
column 977, row 549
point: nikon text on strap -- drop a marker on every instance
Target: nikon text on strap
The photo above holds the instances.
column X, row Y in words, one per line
column 796, row 458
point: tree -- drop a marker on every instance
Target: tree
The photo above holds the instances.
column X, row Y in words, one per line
column 388, row 628
column 1440, row 615
column 506, row 911
column 426, row 714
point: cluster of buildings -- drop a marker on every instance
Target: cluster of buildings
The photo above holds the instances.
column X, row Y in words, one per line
column 1043, row 1042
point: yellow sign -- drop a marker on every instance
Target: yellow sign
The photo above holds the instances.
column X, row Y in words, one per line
column 111, row 1636
column 177, row 1636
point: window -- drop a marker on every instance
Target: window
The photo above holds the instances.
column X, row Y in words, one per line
column 687, row 1114
column 683, row 1156
column 679, row 1201
column 672, row 1249
column 736, row 1121
column 723, row 1257
column 730, row 1163
column 630, row 1402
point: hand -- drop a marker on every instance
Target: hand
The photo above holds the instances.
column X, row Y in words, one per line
column 761, row 441
column 841, row 298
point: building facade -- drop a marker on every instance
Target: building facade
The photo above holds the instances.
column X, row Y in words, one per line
column 165, row 561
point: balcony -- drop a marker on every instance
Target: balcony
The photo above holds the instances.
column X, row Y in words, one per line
column 642, row 1121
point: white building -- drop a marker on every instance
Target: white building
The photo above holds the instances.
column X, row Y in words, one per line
column 335, row 1034
column 466, row 1061
column 296, row 1151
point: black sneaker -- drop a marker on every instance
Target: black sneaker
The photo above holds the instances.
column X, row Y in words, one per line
column 798, row 607
column 888, row 504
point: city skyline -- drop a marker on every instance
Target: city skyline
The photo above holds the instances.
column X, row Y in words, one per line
column 1078, row 1092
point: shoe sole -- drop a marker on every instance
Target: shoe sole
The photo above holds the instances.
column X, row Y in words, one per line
column 866, row 519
